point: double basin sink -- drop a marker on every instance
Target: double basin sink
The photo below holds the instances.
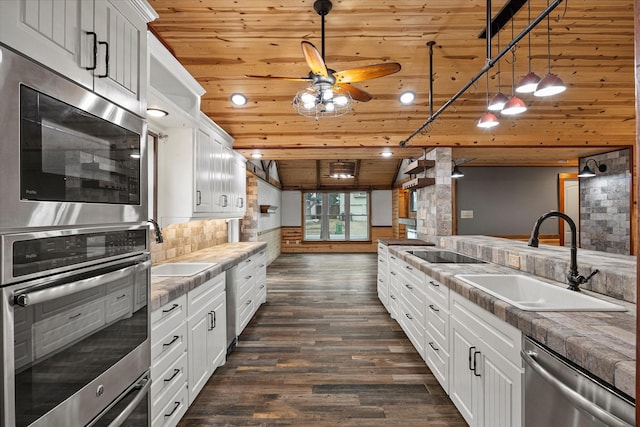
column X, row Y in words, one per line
column 524, row 292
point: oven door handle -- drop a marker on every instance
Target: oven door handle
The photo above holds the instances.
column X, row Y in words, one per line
column 145, row 384
column 36, row 297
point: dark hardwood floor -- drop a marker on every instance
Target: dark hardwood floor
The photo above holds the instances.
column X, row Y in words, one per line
column 323, row 352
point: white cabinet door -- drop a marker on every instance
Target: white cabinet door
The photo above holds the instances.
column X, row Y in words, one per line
column 238, row 184
column 101, row 44
column 203, row 198
column 199, row 371
column 51, row 32
column 502, row 390
column 217, row 332
column 121, row 73
column 463, row 382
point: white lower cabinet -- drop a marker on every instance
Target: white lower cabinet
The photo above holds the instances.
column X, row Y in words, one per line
column 169, row 392
column 473, row 354
column 486, row 372
column 207, row 329
column 383, row 275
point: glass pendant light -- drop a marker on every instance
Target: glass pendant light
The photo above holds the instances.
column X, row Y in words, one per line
column 551, row 84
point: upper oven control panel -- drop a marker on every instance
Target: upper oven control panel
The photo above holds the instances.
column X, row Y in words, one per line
column 34, row 253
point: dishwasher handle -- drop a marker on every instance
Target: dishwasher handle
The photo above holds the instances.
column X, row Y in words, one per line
column 576, row 398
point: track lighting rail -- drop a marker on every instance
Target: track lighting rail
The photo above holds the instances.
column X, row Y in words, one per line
column 489, row 64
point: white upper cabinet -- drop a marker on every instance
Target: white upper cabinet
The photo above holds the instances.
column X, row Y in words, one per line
column 100, row 44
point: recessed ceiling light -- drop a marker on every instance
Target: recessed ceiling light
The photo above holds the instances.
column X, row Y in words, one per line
column 238, row 99
column 256, row 155
column 156, row 112
column 407, row 98
column 386, row 153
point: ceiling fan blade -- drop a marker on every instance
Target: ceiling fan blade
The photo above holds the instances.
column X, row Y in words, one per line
column 367, row 72
column 291, row 79
column 357, row 94
column 314, row 59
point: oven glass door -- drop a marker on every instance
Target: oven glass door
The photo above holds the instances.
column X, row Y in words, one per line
column 68, row 334
column 69, row 155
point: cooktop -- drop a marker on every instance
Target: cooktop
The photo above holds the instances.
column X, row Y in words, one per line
column 439, row 257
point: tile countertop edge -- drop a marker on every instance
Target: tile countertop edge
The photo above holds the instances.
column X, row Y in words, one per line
column 598, row 349
column 168, row 288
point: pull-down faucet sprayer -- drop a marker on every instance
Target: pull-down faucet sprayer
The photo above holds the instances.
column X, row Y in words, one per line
column 574, row 278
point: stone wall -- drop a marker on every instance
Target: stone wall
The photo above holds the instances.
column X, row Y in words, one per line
column 181, row 239
column 605, row 204
column 249, row 223
column 434, row 214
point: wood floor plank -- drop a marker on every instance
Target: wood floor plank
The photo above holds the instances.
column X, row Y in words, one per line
column 323, row 351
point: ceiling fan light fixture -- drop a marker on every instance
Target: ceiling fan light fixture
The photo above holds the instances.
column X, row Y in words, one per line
column 488, row 120
column 324, row 101
column 528, row 83
column 550, row 85
column 514, row 106
column 497, row 102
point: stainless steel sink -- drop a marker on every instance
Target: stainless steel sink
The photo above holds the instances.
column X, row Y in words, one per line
column 181, row 268
column 530, row 294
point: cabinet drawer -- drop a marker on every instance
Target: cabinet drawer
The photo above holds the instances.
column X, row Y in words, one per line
column 414, row 330
column 245, row 313
column 200, row 297
column 170, row 414
column 438, row 324
column 168, row 316
column 437, row 292
column 167, row 348
column 383, row 249
column 412, row 274
column 167, row 384
column 261, row 294
column 414, row 301
column 437, row 359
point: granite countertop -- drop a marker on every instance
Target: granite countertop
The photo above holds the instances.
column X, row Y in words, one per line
column 226, row 255
column 603, row 343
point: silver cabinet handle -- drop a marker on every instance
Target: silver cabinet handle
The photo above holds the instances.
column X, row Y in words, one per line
column 576, row 398
column 69, row 288
column 475, row 364
column 212, row 320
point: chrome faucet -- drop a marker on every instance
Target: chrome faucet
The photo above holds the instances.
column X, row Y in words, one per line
column 574, row 278
column 157, row 230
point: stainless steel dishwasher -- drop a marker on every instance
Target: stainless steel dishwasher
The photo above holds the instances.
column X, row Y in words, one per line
column 557, row 394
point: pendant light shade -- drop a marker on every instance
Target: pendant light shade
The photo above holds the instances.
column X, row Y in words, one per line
column 514, row 106
column 528, row 83
column 551, row 84
column 497, row 102
column 456, row 172
column 488, row 120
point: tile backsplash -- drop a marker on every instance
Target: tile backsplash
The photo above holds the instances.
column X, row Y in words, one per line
column 181, row 239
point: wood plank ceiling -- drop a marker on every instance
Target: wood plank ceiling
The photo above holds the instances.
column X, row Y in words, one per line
column 591, row 50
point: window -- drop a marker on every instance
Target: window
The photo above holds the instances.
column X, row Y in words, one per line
column 336, row 216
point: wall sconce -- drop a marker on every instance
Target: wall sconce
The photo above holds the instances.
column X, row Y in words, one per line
column 587, row 172
column 456, row 172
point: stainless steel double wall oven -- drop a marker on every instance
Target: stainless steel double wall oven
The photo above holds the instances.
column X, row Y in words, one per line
column 74, row 254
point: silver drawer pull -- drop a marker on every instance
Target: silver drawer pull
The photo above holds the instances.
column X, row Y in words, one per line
column 433, row 307
column 432, row 283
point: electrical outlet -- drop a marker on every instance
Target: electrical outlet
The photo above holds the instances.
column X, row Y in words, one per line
column 514, row 261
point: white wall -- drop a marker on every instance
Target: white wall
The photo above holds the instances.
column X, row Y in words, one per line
column 269, row 195
column 381, row 215
column 291, row 209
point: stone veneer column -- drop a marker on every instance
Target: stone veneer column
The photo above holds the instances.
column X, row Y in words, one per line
column 434, row 212
column 249, row 223
column 605, row 204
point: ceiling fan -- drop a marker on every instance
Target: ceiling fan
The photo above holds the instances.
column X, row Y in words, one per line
column 327, row 85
